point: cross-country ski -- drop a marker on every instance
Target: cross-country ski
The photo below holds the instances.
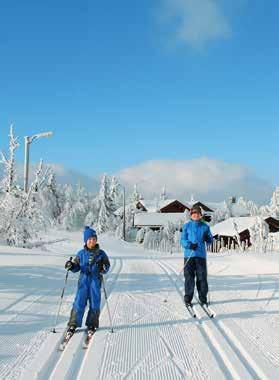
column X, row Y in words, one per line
column 207, row 310
column 191, row 310
column 65, row 340
column 88, row 338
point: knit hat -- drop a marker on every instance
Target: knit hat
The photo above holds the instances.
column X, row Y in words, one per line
column 88, row 233
column 196, row 208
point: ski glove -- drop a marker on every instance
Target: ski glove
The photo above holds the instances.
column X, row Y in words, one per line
column 193, row 246
column 69, row 265
column 206, row 237
column 101, row 268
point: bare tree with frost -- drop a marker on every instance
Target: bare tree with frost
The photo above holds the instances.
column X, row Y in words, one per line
column 9, row 180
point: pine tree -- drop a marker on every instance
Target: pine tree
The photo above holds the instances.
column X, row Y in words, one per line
column 274, row 204
column 75, row 208
column 69, row 200
column 106, row 207
column 114, row 194
column 135, row 196
column 163, row 195
column 51, row 199
column 92, row 216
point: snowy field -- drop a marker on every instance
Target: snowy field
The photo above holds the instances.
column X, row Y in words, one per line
column 153, row 339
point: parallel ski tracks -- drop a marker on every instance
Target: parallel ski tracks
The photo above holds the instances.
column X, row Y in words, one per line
column 233, row 358
column 57, row 367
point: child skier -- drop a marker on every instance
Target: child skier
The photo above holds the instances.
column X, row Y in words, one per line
column 92, row 262
column 195, row 234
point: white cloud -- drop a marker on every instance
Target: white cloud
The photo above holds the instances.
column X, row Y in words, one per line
column 206, row 178
column 197, row 22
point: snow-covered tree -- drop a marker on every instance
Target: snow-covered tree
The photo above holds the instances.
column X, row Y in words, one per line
column 22, row 216
column 92, row 216
column 177, row 239
column 170, row 230
column 274, row 204
column 149, row 239
column 106, row 217
column 75, row 207
column 163, row 195
column 221, row 214
column 140, row 235
column 259, row 235
column 248, row 205
column 135, row 196
column 51, row 199
column 68, row 204
column 115, row 194
column 272, row 209
column 8, row 182
column 237, row 235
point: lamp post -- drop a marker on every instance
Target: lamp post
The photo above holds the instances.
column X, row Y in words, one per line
column 28, row 141
column 124, row 211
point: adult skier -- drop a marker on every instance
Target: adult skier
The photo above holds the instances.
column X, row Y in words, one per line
column 92, row 262
column 195, row 234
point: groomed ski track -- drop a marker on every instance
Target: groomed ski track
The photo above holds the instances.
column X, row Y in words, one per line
column 156, row 339
column 232, row 357
column 67, row 364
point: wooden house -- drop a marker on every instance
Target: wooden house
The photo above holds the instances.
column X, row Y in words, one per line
column 226, row 231
column 162, row 206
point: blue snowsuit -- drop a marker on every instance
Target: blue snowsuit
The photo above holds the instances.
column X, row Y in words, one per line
column 91, row 264
column 195, row 232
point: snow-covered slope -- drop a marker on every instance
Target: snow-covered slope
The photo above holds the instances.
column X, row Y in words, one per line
column 153, row 339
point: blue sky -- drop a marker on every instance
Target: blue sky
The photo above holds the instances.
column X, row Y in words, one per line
column 125, row 82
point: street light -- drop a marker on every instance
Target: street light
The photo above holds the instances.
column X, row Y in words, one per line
column 28, row 140
column 124, row 211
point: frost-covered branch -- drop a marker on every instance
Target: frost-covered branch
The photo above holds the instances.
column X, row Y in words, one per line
column 9, row 163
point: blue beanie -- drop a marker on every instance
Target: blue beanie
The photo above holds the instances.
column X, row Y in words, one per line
column 88, row 233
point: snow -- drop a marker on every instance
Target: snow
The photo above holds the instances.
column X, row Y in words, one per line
column 227, row 228
column 153, row 219
column 153, row 339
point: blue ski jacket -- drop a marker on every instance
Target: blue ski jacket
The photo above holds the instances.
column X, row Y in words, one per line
column 91, row 264
column 195, row 232
column 88, row 262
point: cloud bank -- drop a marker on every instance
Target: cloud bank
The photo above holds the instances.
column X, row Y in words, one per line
column 197, row 22
column 205, row 178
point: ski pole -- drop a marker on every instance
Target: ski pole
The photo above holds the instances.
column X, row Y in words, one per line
column 178, row 277
column 61, row 300
column 208, row 294
column 106, row 298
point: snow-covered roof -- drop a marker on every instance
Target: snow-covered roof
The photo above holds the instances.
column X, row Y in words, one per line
column 157, row 219
column 227, row 228
column 155, row 205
